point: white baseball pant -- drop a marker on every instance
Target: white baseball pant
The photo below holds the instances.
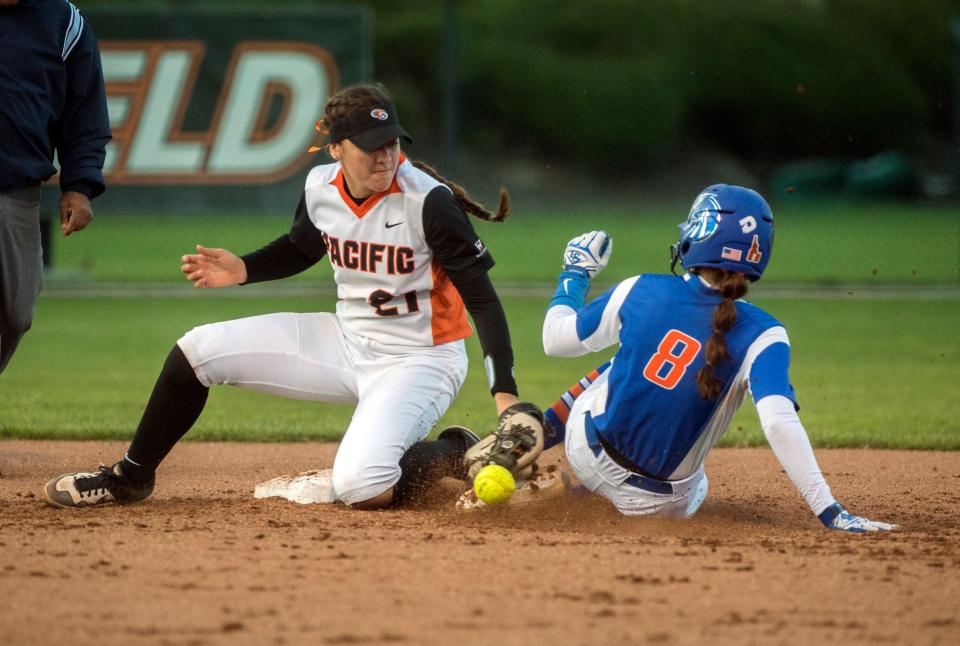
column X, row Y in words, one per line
column 400, row 392
column 630, row 494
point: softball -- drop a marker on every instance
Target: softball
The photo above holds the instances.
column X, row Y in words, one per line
column 494, row 484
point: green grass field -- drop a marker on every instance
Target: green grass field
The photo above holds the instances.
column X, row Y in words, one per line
column 878, row 373
column 868, row 372
column 861, row 243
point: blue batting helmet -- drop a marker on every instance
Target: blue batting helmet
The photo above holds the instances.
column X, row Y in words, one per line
column 729, row 227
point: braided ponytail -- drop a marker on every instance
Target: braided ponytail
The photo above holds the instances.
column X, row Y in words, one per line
column 732, row 285
column 473, row 208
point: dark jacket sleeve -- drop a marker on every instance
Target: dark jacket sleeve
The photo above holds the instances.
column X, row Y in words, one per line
column 84, row 127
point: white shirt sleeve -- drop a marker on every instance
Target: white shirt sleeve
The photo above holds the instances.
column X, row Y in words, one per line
column 598, row 321
column 790, row 444
column 560, row 337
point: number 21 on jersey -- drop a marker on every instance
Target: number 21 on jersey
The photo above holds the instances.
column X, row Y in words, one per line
column 669, row 363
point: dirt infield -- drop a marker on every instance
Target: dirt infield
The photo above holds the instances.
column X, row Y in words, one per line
column 203, row 562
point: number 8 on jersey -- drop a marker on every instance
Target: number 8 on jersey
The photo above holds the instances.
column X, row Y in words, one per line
column 669, row 363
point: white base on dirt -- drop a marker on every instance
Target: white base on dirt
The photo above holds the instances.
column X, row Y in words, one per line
column 305, row 488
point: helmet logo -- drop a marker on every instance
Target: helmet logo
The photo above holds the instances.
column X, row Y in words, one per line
column 748, row 224
column 379, row 114
column 703, row 219
column 754, row 255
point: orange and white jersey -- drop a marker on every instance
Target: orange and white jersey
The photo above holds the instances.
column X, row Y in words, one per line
column 389, row 253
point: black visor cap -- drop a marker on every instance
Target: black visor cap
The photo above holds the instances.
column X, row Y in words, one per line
column 370, row 129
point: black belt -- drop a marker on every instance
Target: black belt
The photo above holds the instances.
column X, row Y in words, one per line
column 638, row 477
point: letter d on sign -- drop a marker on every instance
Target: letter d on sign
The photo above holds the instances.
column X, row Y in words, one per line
column 301, row 75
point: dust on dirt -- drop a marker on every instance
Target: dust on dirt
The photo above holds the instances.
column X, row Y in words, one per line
column 203, row 562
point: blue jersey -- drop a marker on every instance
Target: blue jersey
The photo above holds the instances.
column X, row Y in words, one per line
column 652, row 412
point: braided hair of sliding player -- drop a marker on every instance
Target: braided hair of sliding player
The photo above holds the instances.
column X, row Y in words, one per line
column 365, row 97
column 733, row 285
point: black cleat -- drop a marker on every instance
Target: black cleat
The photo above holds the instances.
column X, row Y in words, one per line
column 460, row 433
column 109, row 484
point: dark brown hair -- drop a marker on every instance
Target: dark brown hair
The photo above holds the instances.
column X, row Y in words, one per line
column 354, row 98
column 732, row 285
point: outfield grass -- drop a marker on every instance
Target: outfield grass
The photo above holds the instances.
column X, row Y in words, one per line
column 878, row 373
column 830, row 243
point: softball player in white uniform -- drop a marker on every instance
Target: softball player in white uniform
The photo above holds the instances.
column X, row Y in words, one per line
column 405, row 259
column 638, row 429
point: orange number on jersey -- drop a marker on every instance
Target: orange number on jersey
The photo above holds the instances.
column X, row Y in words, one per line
column 667, row 354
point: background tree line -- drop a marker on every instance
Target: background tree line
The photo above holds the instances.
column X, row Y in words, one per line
column 617, row 83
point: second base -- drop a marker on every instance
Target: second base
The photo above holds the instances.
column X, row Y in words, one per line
column 305, row 488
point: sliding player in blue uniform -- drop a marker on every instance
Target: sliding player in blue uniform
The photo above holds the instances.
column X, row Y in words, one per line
column 638, row 429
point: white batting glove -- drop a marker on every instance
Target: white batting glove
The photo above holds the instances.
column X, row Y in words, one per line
column 589, row 252
column 836, row 517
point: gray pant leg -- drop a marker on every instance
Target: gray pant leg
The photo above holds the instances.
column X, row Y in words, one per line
column 21, row 266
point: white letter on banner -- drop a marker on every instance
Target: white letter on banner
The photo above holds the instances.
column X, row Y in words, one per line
column 151, row 152
column 234, row 150
column 120, row 67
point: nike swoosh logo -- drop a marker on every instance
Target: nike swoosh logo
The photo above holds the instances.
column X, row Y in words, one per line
column 565, row 281
column 395, row 224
